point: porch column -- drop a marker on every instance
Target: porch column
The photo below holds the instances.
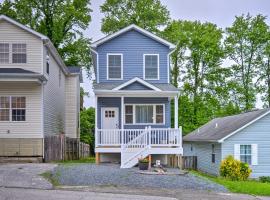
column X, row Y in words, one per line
column 96, row 120
column 176, row 112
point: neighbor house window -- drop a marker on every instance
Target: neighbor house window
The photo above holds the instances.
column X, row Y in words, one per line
column 213, row 154
column 151, row 66
column 12, row 108
column 114, row 66
column 4, row 53
column 47, row 63
column 144, row 114
column 4, row 108
column 18, row 53
column 245, row 154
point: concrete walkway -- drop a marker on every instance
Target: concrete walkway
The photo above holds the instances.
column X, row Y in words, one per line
column 25, row 175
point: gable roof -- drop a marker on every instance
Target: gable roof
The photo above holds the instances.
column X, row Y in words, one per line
column 46, row 41
column 136, row 28
column 136, row 79
column 39, row 35
column 219, row 129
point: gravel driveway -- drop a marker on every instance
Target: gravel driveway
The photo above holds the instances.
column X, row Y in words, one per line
column 112, row 175
column 25, row 175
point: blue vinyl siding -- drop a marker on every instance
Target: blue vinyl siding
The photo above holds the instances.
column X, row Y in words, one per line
column 116, row 102
column 257, row 133
column 203, row 151
column 133, row 45
column 136, row 86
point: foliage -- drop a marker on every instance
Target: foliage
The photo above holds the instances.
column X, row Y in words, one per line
column 244, row 46
column 251, row 187
column 87, row 125
column 82, row 95
column 143, row 160
column 264, row 179
column 234, row 170
column 148, row 14
column 82, row 160
column 62, row 21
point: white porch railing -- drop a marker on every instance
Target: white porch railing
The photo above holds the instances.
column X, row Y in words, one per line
column 154, row 137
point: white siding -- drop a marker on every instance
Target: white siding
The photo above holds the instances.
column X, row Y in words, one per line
column 10, row 33
column 256, row 134
column 72, row 106
column 54, row 101
column 32, row 127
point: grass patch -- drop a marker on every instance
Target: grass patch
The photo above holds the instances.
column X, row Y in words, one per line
column 252, row 187
column 80, row 161
column 49, row 176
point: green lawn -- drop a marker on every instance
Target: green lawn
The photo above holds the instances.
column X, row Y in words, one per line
column 82, row 160
column 251, row 187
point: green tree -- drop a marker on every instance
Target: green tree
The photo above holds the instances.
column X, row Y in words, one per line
column 87, row 125
column 148, row 14
column 244, row 46
column 62, row 21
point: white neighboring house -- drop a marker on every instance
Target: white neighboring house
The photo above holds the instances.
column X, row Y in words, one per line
column 39, row 94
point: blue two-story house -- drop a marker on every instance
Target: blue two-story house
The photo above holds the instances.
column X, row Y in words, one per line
column 133, row 96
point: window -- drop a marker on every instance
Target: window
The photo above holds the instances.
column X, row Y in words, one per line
column 4, row 53
column 14, row 107
column 109, row 113
column 144, row 114
column 60, row 77
column 213, row 154
column 114, row 63
column 4, row 108
column 129, row 114
column 151, row 66
column 47, row 63
column 245, row 154
column 18, row 53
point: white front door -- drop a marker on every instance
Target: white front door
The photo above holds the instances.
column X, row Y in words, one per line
column 110, row 118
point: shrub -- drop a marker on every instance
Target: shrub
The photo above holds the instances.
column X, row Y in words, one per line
column 234, row 169
column 265, row 179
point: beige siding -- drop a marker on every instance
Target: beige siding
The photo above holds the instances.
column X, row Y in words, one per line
column 54, row 101
column 10, row 33
column 72, row 106
column 32, row 127
column 21, row 147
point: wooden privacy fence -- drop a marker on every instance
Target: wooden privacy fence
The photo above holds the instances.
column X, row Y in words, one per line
column 189, row 162
column 60, row 147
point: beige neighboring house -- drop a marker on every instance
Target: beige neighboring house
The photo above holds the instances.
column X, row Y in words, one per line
column 39, row 94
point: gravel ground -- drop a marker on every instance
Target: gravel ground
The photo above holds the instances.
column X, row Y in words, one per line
column 112, row 175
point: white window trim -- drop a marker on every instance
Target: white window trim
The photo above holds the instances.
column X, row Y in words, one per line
column 114, row 54
column 10, row 110
column 157, row 67
column 134, row 114
column 10, row 53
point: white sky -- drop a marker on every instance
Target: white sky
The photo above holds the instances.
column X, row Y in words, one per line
column 220, row 12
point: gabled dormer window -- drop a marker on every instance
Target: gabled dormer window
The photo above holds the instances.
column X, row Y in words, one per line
column 114, row 66
column 4, row 53
column 151, row 66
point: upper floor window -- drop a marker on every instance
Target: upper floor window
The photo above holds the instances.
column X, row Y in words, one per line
column 114, row 66
column 151, row 66
column 47, row 62
column 4, row 53
column 18, row 53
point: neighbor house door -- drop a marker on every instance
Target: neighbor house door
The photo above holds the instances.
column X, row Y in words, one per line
column 110, row 118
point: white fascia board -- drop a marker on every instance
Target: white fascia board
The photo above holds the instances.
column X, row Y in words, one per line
column 133, row 26
column 134, row 80
column 135, row 93
column 248, row 124
column 41, row 36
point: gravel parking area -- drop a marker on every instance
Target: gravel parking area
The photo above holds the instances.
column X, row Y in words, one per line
column 112, row 175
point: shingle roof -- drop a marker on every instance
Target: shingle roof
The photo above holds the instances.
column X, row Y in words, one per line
column 110, row 86
column 219, row 128
column 15, row 71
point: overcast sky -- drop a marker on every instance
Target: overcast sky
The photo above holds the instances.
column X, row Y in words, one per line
column 220, row 12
